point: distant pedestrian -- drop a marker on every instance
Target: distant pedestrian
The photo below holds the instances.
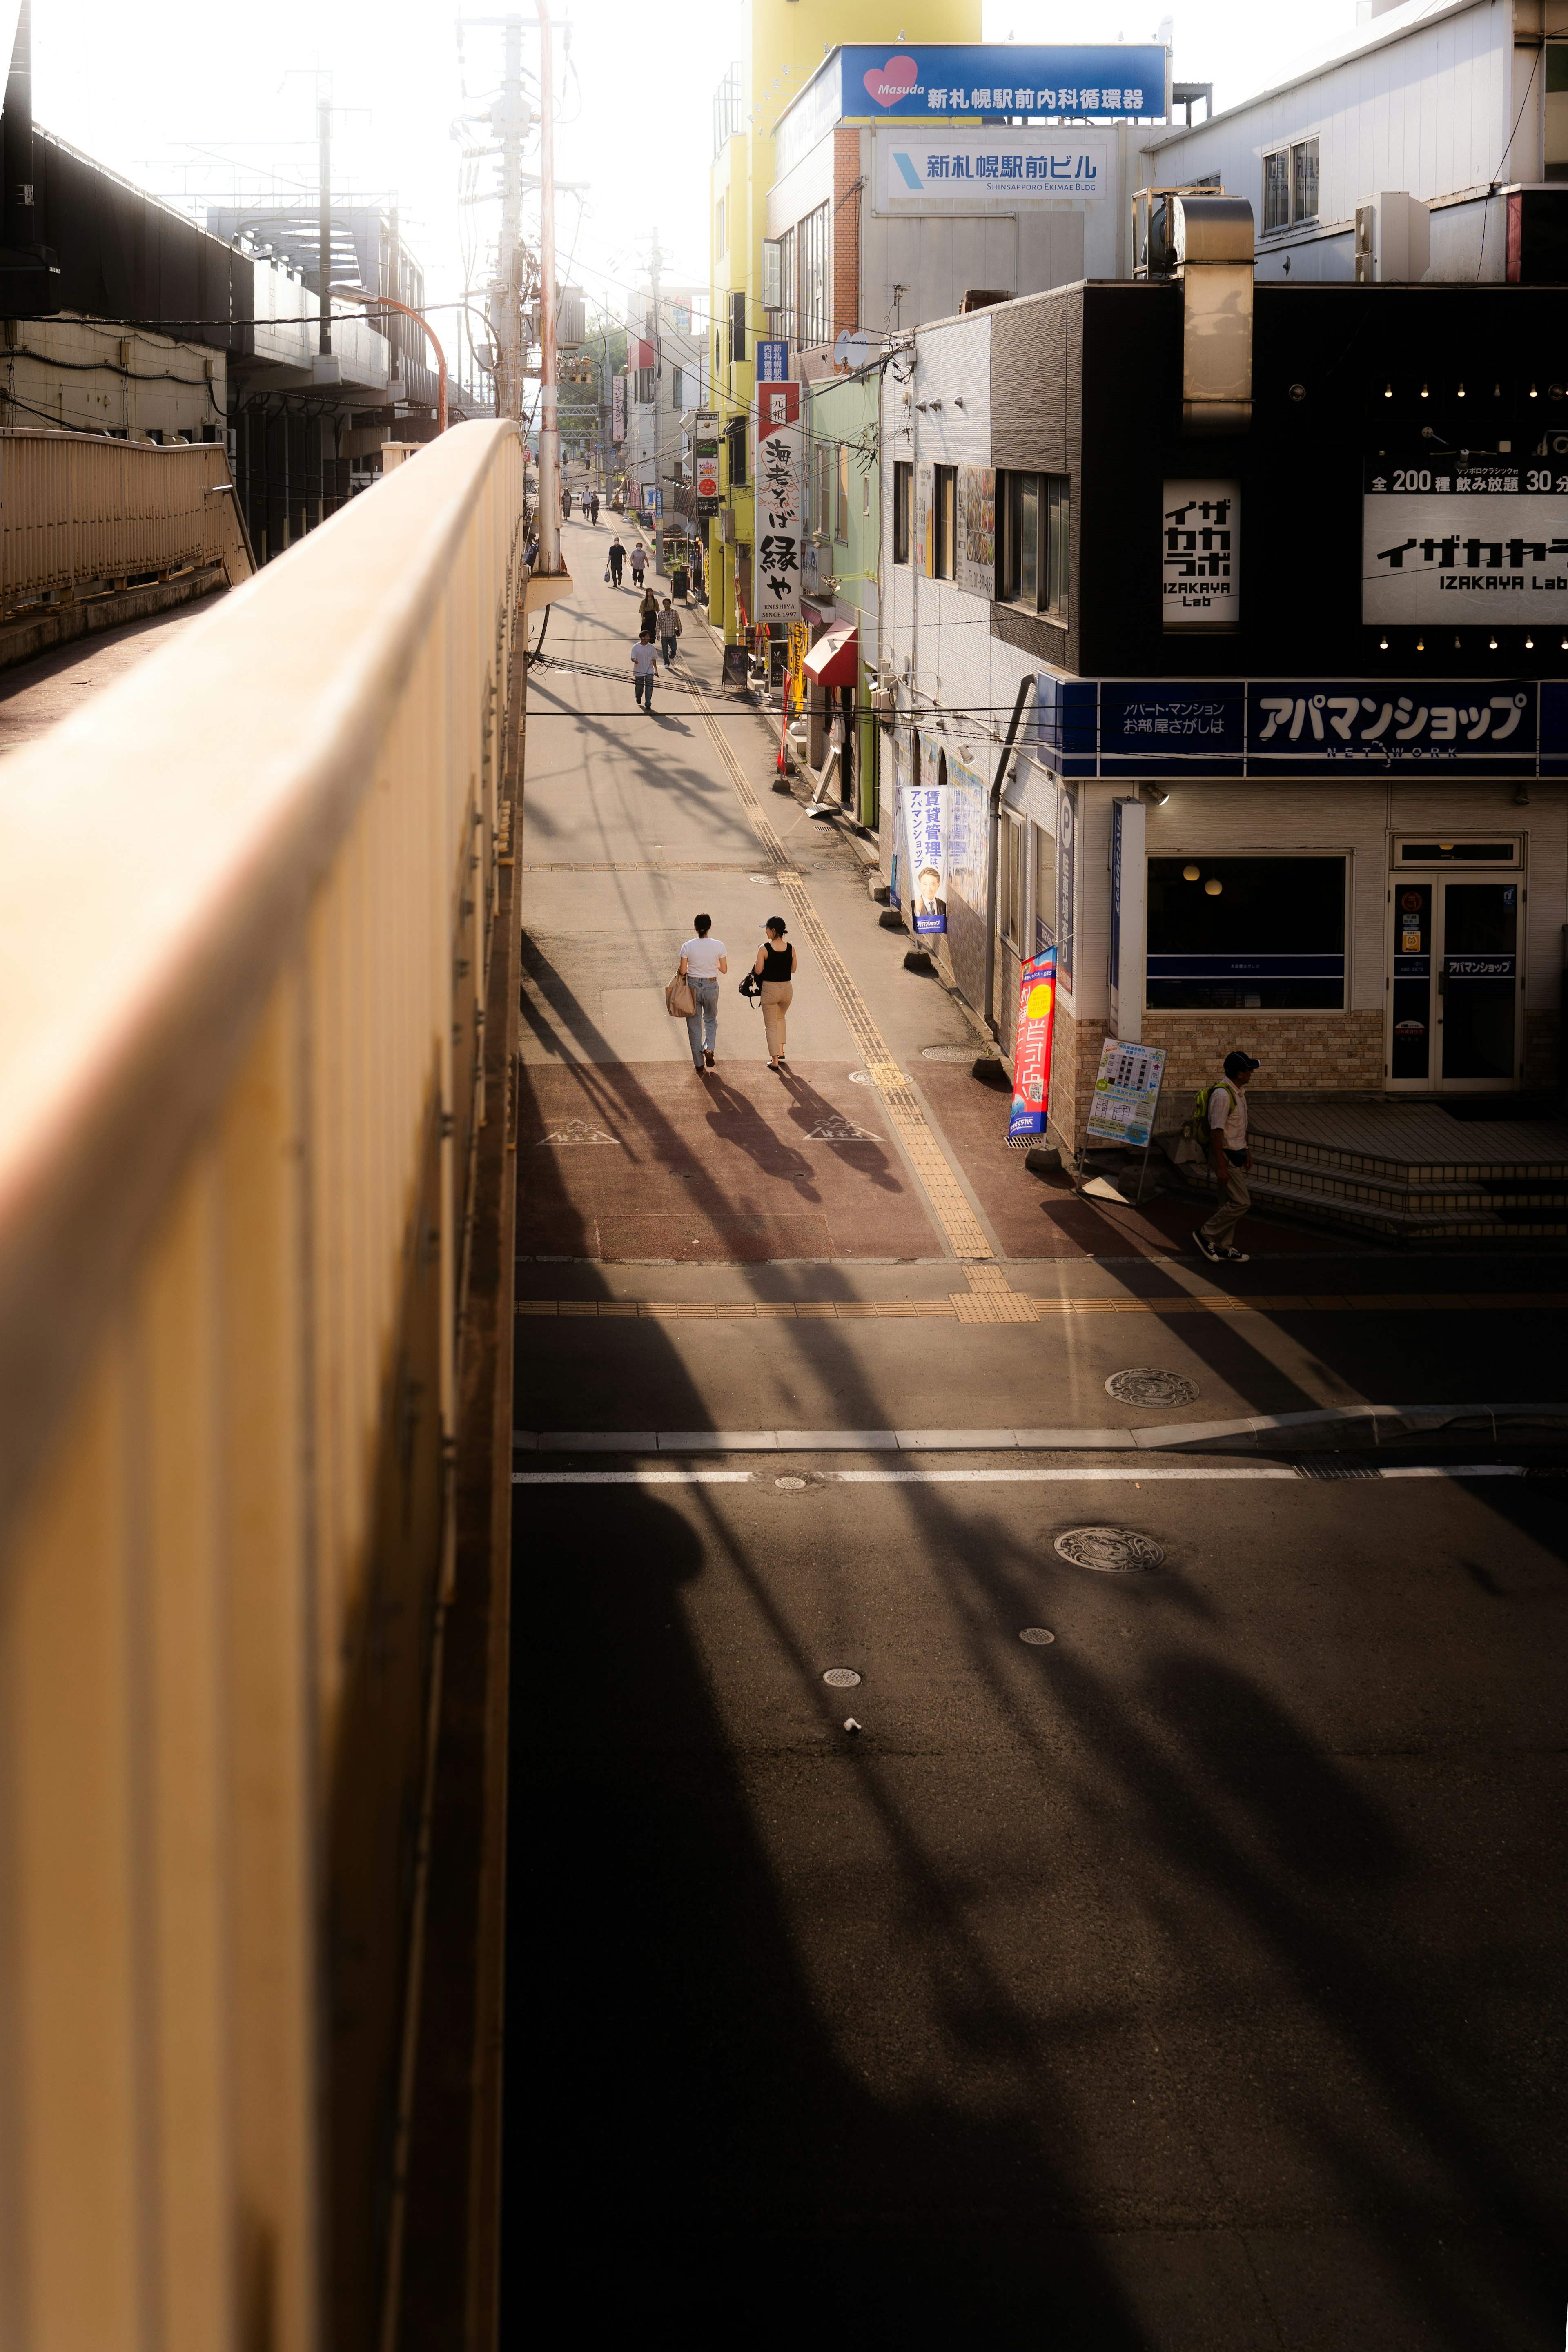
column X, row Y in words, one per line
column 618, row 557
column 645, row 669
column 703, row 960
column 648, row 609
column 668, row 633
column 775, row 967
column 639, row 564
column 1225, row 1109
column 567, row 505
column 594, row 508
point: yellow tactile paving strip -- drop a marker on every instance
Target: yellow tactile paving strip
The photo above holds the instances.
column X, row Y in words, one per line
column 859, row 1311
column 959, row 1227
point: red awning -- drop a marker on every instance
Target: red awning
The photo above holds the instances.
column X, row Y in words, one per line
column 833, row 660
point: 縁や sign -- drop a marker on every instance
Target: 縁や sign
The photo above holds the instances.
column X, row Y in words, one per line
column 780, row 523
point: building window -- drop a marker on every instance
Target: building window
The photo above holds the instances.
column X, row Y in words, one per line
column 903, row 507
column 735, row 435
column 782, row 325
column 841, row 504
column 1045, row 887
column 644, row 387
column 822, row 490
column 813, row 232
column 1290, row 185
column 1233, row 932
column 720, row 235
column 945, row 500
column 1033, row 515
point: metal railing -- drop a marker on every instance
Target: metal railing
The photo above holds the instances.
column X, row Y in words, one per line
column 77, row 509
column 248, row 901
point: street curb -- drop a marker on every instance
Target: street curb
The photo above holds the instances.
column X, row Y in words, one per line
column 1332, row 1426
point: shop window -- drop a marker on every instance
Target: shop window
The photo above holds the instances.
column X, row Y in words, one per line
column 1290, row 185
column 841, row 502
column 1247, row 932
column 1012, row 880
column 945, row 501
column 1034, row 518
column 903, row 507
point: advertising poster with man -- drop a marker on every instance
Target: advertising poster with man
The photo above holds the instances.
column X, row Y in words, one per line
column 925, row 882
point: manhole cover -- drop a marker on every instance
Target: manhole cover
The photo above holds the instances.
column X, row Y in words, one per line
column 856, row 1078
column 1117, row 1551
column 841, row 1677
column 1039, row 1635
column 791, row 1486
column 1144, row 1385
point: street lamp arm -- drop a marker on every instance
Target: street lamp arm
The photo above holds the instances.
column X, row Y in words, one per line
column 387, row 303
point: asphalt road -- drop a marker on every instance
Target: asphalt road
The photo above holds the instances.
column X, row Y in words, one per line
column 1193, row 1980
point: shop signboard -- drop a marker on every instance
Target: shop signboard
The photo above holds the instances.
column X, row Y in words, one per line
column 1126, row 1093
column 1032, row 1047
column 772, row 362
column 618, row 409
column 1067, row 872
column 943, row 168
column 780, row 519
column 1201, row 556
column 705, row 445
column 1260, row 728
column 926, row 78
column 925, row 817
column 1129, row 899
column 1464, row 538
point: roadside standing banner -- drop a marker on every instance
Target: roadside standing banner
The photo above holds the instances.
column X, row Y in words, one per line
column 1032, row 1047
column 779, row 521
column 926, row 819
column 1126, row 1097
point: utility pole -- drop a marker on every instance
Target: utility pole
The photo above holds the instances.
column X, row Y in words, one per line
column 324, row 222
column 658, row 404
column 549, row 430
column 512, row 354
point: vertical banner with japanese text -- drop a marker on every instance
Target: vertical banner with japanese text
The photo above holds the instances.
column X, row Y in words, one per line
column 925, row 816
column 618, row 409
column 1032, row 1047
column 780, row 524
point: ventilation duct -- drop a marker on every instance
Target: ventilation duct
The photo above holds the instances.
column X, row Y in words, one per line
column 1210, row 246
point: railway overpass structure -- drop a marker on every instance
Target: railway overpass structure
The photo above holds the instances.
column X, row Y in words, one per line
column 258, row 1012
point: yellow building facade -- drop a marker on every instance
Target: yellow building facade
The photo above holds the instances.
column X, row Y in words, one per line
column 785, row 41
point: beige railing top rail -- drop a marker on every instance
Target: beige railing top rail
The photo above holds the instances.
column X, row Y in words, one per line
column 79, row 506
column 158, row 851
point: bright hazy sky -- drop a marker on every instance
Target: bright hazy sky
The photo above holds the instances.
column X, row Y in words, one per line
column 229, row 103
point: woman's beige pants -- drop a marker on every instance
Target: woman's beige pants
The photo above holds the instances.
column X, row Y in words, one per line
column 776, row 996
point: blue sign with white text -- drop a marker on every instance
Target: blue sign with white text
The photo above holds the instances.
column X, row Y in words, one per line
column 1146, row 729
column 772, row 362
column 1011, row 78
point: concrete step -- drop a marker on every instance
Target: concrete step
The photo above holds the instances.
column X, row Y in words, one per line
column 1442, row 1194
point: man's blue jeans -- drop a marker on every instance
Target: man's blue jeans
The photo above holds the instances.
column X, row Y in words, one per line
column 643, row 689
column 705, row 1019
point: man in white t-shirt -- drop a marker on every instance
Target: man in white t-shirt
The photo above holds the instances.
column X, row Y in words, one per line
column 703, row 960
column 1232, row 1157
column 645, row 663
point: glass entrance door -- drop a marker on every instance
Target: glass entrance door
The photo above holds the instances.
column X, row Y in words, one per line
column 1454, row 984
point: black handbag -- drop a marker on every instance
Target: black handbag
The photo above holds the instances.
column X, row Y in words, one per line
column 752, row 987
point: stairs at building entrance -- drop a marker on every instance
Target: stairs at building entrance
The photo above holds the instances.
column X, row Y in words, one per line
column 1411, row 1172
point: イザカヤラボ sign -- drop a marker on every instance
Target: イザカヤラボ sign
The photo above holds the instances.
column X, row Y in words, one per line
column 1200, row 584
column 1465, row 539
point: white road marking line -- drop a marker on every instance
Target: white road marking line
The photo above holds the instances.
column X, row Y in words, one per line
column 1137, row 1474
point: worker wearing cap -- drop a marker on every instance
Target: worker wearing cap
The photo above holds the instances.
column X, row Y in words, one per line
column 1232, row 1158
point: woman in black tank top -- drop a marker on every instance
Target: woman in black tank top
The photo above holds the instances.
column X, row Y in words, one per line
column 775, row 967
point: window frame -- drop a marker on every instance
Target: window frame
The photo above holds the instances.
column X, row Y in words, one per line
column 1160, row 988
column 720, row 227
column 945, row 522
column 1287, row 165
column 814, row 233
column 1051, row 495
column 903, row 508
column 841, row 496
